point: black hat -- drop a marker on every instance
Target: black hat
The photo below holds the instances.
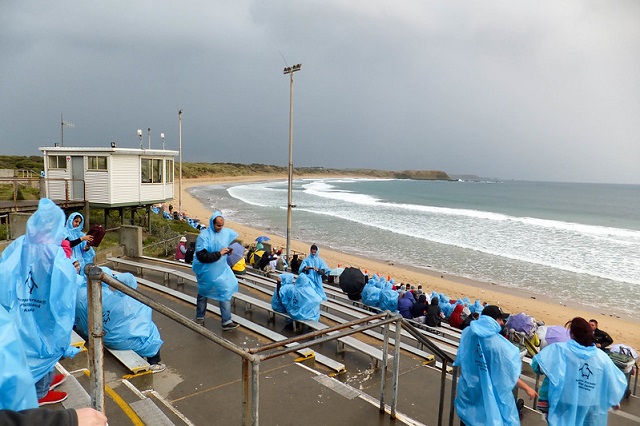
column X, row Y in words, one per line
column 494, row 312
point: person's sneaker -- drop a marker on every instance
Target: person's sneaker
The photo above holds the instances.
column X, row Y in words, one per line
column 52, row 397
column 156, row 368
column 229, row 326
column 58, row 379
column 199, row 321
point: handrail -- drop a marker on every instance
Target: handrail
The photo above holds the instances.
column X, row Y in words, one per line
column 43, row 184
column 250, row 373
column 445, row 360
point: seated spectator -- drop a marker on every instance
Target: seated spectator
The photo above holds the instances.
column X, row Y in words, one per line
column 467, row 321
column 602, row 338
column 455, row 319
column 281, row 264
column 188, row 256
column 405, row 305
column 434, row 314
column 295, row 263
column 181, row 249
column 420, row 309
column 127, row 323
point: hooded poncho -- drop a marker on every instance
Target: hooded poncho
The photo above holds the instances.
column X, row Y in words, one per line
column 38, row 288
column 84, row 257
column 128, row 323
column 300, row 300
column 216, row 280
column 16, row 382
column 490, row 367
column 583, row 383
column 315, row 261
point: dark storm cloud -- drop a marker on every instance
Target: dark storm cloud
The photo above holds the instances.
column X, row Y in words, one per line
column 544, row 91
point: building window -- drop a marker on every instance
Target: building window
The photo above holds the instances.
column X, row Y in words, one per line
column 97, row 163
column 57, row 162
column 169, row 171
column 151, row 170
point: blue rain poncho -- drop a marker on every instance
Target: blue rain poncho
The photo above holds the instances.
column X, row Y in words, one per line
column 38, row 288
column 82, row 253
column 300, row 301
column 489, row 369
column 379, row 293
column 315, row 261
column 17, row 390
column 216, row 280
column 127, row 323
column 583, row 383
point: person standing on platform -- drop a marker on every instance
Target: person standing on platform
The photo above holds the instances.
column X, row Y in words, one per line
column 315, row 267
column 490, row 368
column 583, row 381
column 216, row 280
column 39, row 292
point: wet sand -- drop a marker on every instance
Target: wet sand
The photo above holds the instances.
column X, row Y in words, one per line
column 543, row 308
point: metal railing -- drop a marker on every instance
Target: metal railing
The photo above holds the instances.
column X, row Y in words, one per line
column 5, row 218
column 58, row 189
column 251, row 358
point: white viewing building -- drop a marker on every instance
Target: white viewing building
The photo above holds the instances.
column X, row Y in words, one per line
column 109, row 177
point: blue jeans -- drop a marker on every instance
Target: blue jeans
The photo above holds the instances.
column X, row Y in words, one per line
column 225, row 309
column 42, row 385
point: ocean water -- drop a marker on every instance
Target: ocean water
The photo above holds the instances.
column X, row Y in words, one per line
column 574, row 242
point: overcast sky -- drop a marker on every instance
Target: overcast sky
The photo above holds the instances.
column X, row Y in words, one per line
column 537, row 90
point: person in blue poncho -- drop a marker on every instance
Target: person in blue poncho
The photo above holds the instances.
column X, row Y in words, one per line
column 16, row 382
column 38, row 289
column 315, row 267
column 216, row 280
column 583, row 381
column 80, row 242
column 490, row 368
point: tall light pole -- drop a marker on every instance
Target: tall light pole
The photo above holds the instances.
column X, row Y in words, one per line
column 290, row 71
column 180, row 150
column 139, row 133
column 162, row 138
column 149, row 134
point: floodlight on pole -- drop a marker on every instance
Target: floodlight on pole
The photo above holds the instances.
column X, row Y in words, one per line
column 290, row 71
column 140, row 137
column 149, row 134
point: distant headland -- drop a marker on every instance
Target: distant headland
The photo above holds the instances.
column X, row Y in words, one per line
column 201, row 170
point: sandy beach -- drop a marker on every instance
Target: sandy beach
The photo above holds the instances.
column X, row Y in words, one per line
column 623, row 330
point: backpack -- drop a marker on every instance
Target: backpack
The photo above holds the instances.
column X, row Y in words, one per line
column 188, row 256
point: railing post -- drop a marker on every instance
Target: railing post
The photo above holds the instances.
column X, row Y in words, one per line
column 443, row 382
column 245, row 391
column 454, row 387
column 383, row 369
column 396, row 366
column 250, row 391
column 255, row 376
column 96, row 335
